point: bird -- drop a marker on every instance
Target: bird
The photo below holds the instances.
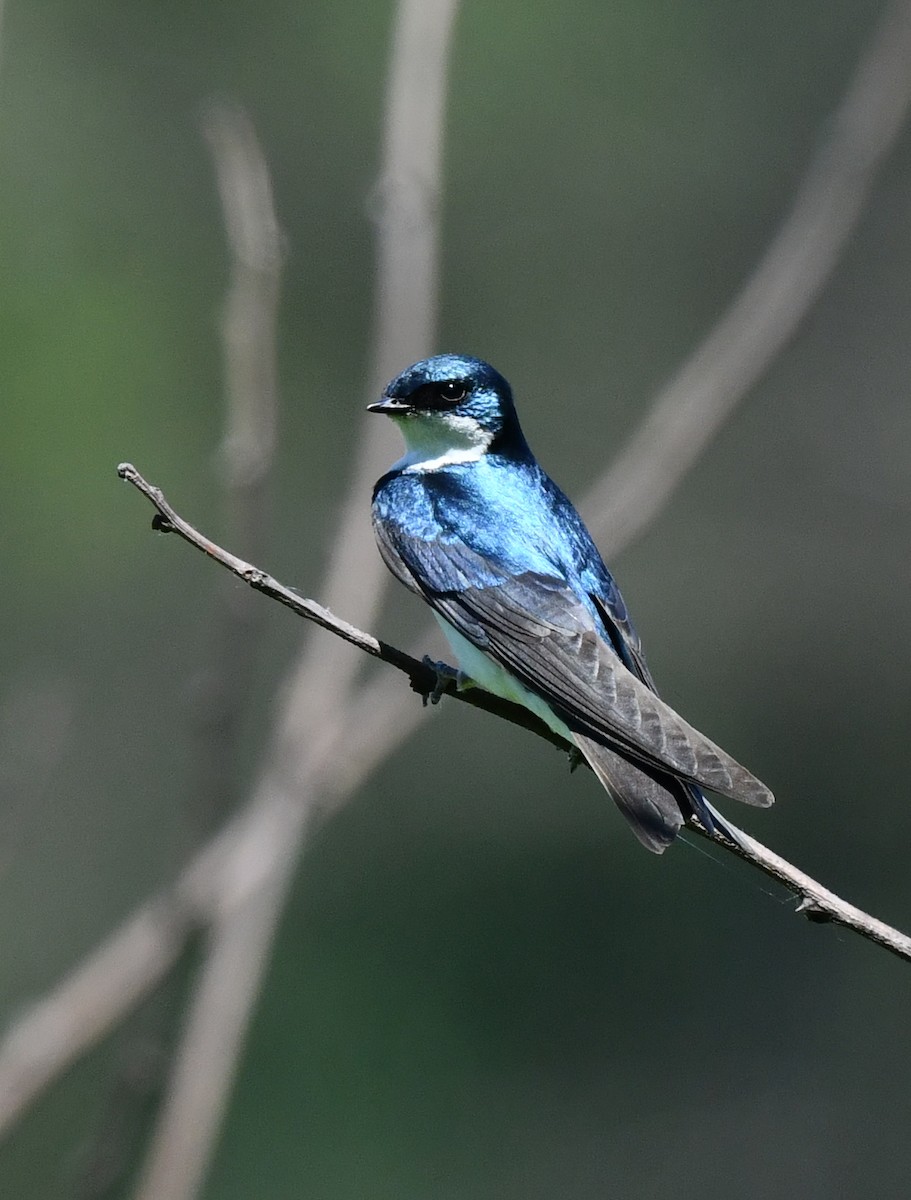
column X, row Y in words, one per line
column 469, row 521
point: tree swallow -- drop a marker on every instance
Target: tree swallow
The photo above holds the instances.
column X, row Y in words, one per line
column 469, row 521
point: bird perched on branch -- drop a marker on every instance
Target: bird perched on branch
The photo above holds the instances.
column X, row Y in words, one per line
column 469, row 521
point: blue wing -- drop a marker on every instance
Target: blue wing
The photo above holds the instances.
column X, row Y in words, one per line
column 536, row 627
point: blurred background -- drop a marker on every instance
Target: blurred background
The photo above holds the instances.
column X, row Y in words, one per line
column 482, row 986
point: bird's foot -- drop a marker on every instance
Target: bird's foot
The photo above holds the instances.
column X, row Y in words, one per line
column 576, row 758
column 445, row 676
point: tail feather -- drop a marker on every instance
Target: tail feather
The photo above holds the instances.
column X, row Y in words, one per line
column 650, row 807
column 710, row 818
column 723, row 826
column 655, row 805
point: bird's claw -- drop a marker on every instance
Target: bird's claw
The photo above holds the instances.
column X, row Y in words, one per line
column 576, row 758
column 445, row 675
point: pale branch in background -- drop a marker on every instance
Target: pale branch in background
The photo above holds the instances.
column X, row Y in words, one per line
column 246, row 455
column 299, row 769
column 224, row 875
column 237, row 950
column 204, row 1064
column 79, row 1010
column 250, row 319
column 830, row 199
column 815, row 901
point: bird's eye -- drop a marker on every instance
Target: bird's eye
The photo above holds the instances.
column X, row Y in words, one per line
column 452, row 391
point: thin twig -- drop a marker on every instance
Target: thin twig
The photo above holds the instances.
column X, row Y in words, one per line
column 136, row 957
column 225, row 874
column 221, row 691
column 816, row 901
column 251, row 312
column 689, row 411
column 422, row 676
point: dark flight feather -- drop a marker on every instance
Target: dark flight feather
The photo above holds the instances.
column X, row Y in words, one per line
column 536, row 628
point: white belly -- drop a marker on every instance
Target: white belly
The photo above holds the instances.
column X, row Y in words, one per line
column 492, row 678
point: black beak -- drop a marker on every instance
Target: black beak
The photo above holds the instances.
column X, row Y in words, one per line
column 391, row 406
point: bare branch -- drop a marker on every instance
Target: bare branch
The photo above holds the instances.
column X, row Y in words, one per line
column 221, row 689
column 251, row 312
column 249, row 339
column 315, row 701
column 123, row 969
column 221, row 877
column 422, row 675
column 830, row 200
column 816, row 902
column 241, row 859
column 237, row 954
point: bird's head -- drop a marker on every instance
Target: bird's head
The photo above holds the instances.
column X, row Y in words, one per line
column 452, row 409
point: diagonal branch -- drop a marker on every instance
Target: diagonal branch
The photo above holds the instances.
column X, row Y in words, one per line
column 816, row 902
column 422, row 675
column 831, row 197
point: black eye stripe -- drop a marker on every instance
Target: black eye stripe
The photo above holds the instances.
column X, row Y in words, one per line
column 437, row 397
column 452, row 391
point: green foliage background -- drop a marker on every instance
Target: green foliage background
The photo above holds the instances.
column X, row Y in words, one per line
column 483, row 987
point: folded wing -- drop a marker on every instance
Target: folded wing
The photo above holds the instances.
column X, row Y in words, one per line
column 535, row 626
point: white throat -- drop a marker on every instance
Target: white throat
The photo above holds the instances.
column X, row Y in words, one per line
column 441, row 440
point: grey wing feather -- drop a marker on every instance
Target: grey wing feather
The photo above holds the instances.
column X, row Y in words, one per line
column 566, row 661
column 653, row 812
column 393, row 560
column 537, row 628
